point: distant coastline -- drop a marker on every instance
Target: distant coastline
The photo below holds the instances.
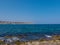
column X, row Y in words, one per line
column 10, row 22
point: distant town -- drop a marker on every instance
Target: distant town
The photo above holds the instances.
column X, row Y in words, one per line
column 10, row 22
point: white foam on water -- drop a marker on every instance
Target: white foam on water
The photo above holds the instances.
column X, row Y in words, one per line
column 48, row 36
column 15, row 38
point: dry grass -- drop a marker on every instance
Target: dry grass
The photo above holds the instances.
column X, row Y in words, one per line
column 57, row 42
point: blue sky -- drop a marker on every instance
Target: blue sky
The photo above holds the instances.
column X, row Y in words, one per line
column 36, row 11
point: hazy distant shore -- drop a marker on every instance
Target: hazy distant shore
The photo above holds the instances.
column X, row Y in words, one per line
column 9, row 22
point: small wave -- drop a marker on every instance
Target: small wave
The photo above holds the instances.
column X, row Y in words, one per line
column 49, row 36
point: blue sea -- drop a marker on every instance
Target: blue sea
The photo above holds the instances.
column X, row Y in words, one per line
column 32, row 31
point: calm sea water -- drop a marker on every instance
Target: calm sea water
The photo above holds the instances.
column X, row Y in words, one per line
column 16, row 29
column 32, row 31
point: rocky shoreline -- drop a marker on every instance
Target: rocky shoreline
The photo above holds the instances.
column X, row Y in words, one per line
column 16, row 40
